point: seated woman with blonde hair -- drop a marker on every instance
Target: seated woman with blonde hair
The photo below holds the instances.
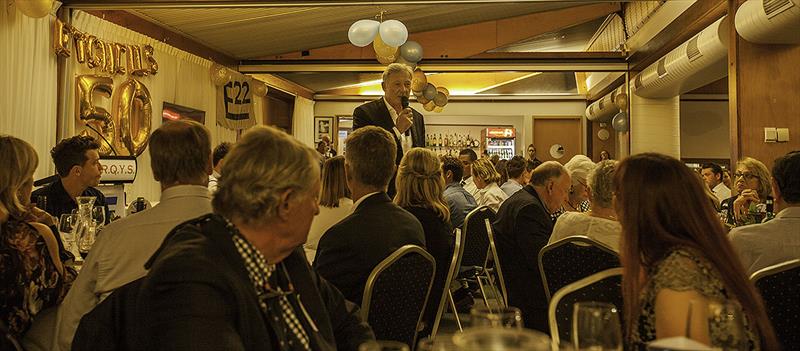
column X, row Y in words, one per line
column 420, row 190
column 334, row 203
column 677, row 260
column 30, row 268
column 486, row 178
column 752, row 183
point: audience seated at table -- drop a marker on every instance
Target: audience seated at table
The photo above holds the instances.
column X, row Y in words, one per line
column 237, row 279
column 778, row 240
column 522, row 229
column 486, row 177
column 752, row 183
column 578, row 167
column 600, row 222
column 334, row 203
column 419, row 191
column 677, row 259
column 349, row 251
column 180, row 157
column 459, row 200
column 32, row 274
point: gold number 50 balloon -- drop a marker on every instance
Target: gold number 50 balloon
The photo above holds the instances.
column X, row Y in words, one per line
column 90, row 114
column 133, row 109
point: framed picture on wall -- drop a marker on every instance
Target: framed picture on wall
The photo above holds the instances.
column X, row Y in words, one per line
column 325, row 128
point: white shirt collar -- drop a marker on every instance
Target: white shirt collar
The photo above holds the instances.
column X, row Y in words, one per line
column 392, row 111
column 719, row 187
column 361, row 199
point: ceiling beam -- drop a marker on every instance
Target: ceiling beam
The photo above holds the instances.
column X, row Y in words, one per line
column 699, row 16
column 285, row 85
column 471, row 39
column 155, row 4
column 440, row 65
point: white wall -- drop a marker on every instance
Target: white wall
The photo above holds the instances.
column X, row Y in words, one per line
column 705, row 129
column 518, row 114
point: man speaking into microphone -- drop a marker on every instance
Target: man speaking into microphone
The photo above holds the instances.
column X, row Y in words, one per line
column 391, row 112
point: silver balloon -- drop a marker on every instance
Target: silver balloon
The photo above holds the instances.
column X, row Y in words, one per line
column 362, row 32
column 393, row 33
column 620, row 122
column 429, row 92
column 411, row 51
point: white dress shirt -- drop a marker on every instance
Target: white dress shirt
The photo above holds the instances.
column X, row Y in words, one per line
column 762, row 245
column 491, row 196
column 722, row 192
column 470, row 187
column 213, row 180
column 327, row 217
column 511, row 186
column 405, row 140
column 603, row 230
column 121, row 250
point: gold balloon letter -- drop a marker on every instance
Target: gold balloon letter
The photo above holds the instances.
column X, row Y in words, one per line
column 80, row 45
column 97, row 117
column 135, row 61
column 152, row 65
column 97, row 52
column 61, row 38
column 132, row 107
column 118, row 50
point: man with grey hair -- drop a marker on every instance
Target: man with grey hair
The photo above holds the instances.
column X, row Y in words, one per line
column 392, row 113
column 180, row 156
column 238, row 279
column 522, row 229
column 349, row 250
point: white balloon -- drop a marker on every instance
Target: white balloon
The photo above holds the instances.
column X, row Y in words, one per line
column 362, row 32
column 393, row 33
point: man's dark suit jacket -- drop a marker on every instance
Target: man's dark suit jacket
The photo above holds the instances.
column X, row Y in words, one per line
column 521, row 230
column 349, row 250
column 375, row 113
column 198, row 296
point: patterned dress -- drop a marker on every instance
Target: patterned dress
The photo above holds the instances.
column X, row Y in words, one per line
column 683, row 270
column 31, row 282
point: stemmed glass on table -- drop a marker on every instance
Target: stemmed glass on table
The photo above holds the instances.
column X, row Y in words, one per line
column 596, row 327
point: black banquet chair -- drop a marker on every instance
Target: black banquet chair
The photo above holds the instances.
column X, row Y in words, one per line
column 780, row 288
column 605, row 286
column 396, row 293
column 476, row 262
column 571, row 259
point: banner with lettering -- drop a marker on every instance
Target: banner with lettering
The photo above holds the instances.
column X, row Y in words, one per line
column 235, row 103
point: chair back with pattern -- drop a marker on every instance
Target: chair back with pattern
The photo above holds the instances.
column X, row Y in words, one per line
column 780, row 288
column 605, row 286
column 571, row 259
column 396, row 293
column 476, row 241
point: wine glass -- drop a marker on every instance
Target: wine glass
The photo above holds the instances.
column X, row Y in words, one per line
column 596, row 327
column 726, row 326
column 86, row 239
column 501, row 339
column 383, row 345
column 499, row 317
column 66, row 228
column 99, row 216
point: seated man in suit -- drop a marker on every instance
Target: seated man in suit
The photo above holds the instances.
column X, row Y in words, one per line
column 391, row 112
column 349, row 250
column 522, row 229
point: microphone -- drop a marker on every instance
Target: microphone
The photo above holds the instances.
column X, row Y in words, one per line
column 404, row 101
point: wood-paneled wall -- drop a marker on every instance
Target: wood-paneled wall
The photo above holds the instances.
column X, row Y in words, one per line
column 766, row 79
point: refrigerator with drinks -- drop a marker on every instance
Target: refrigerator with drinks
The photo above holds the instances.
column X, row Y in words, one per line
column 499, row 141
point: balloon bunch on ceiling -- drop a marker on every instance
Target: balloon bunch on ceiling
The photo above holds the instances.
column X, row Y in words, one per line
column 34, row 8
column 390, row 40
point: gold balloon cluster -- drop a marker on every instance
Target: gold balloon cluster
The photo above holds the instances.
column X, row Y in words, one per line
column 221, row 75
column 34, row 8
column 431, row 97
column 109, row 57
column 129, row 127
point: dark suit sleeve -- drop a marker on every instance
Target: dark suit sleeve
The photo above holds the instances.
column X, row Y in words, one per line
column 361, row 118
column 419, row 130
column 349, row 329
column 534, row 232
column 334, row 261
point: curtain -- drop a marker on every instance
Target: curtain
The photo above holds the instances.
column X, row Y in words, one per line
column 303, row 120
column 28, row 80
column 182, row 79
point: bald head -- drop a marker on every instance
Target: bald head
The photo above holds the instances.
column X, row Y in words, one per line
column 547, row 171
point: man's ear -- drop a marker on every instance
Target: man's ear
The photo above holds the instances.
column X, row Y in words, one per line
column 776, row 190
column 383, row 86
column 76, row 170
column 285, row 205
column 449, row 174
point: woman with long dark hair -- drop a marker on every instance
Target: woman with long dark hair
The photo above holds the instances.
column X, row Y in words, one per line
column 676, row 257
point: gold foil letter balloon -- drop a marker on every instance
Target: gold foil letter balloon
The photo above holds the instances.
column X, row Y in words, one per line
column 80, row 45
column 150, row 62
column 135, row 61
column 119, row 50
column 133, row 107
column 90, row 114
column 61, row 34
column 96, row 52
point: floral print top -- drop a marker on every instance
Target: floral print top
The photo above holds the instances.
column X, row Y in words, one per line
column 684, row 270
column 30, row 279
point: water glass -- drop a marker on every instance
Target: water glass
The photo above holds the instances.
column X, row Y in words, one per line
column 66, row 228
column 596, row 327
column 86, row 239
column 383, row 345
column 498, row 317
column 501, row 339
column 438, row 344
column 99, row 215
column 726, row 326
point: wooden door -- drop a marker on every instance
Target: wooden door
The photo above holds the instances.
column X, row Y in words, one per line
column 564, row 131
